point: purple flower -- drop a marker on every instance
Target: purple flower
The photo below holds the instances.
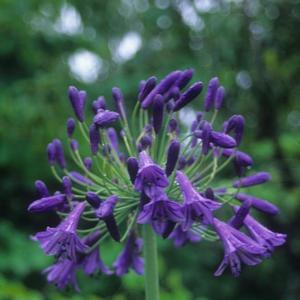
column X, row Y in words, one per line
column 88, row 163
column 94, row 138
column 105, row 118
column 236, row 124
column 130, row 257
column 262, row 235
column 77, row 177
column 74, row 145
column 67, row 183
column 181, row 237
column 145, row 142
column 132, row 167
column 59, row 153
column 211, row 93
column 158, row 112
column 51, row 154
column 92, row 261
column 47, row 203
column 147, row 88
column 255, row 179
column 196, row 208
column 240, row 214
column 149, row 175
column 161, row 88
column 41, row 189
column 222, row 140
column 70, row 127
column 161, row 213
column 99, row 104
column 219, row 97
column 113, row 138
column 63, row 273
column 63, row 239
column 172, row 156
column 258, row 203
column 77, row 99
column 119, row 101
column 188, row 95
column 105, row 212
column 237, row 248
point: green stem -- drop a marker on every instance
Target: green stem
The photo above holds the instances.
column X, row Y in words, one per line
column 151, row 265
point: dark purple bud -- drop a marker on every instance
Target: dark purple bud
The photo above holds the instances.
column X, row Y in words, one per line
column 74, row 145
column 93, row 199
column 240, row 214
column 184, row 79
column 173, row 125
column 161, row 88
column 199, row 116
column 219, row 97
column 88, row 163
column 209, row 194
column 211, row 93
column 80, row 178
column 190, row 161
column 181, row 163
column 46, row 203
column 41, row 189
column 206, row 136
column 67, row 183
column 112, row 227
column 106, row 207
column 59, row 153
column 255, row 179
column 235, row 123
column 172, row 156
column 141, row 85
column 170, row 106
column 147, row 88
column 99, row 104
column 258, row 203
column 113, row 138
column 105, row 118
column 70, row 127
column 243, row 158
column 146, row 141
column 94, row 138
column 132, row 167
column 188, row 95
column 194, row 125
column 222, row 140
column 119, row 101
column 148, row 129
column 51, row 154
column 173, row 93
column 158, row 112
column 77, row 99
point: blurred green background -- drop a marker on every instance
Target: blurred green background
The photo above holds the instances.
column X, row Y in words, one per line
column 253, row 46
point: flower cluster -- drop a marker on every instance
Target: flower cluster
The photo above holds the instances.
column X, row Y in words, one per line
column 147, row 168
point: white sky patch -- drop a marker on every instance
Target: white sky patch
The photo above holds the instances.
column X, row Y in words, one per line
column 190, row 16
column 205, row 5
column 127, row 47
column 85, row 65
column 69, row 21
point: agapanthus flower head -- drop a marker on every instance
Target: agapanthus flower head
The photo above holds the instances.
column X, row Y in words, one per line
column 146, row 173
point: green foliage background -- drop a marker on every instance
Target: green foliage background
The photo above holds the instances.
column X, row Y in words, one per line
column 253, row 46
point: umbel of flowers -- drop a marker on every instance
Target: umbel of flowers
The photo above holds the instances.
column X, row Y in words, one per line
column 152, row 172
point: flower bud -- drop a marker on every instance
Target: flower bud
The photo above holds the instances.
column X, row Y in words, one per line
column 255, row 179
column 74, row 145
column 113, row 138
column 105, row 118
column 161, row 88
column 77, row 99
column 132, row 167
column 188, row 95
column 67, row 183
column 146, row 141
column 41, row 189
column 158, row 112
column 206, row 137
column 99, row 104
column 173, row 125
column 219, row 97
column 94, row 138
column 172, row 156
column 235, row 123
column 147, row 88
column 222, row 140
column 46, row 203
column 119, row 101
column 59, row 153
column 258, row 203
column 211, row 92
column 51, row 154
column 70, row 127
column 88, row 163
column 240, row 214
column 93, row 199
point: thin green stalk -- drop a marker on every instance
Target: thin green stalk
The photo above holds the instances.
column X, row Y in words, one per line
column 151, row 265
